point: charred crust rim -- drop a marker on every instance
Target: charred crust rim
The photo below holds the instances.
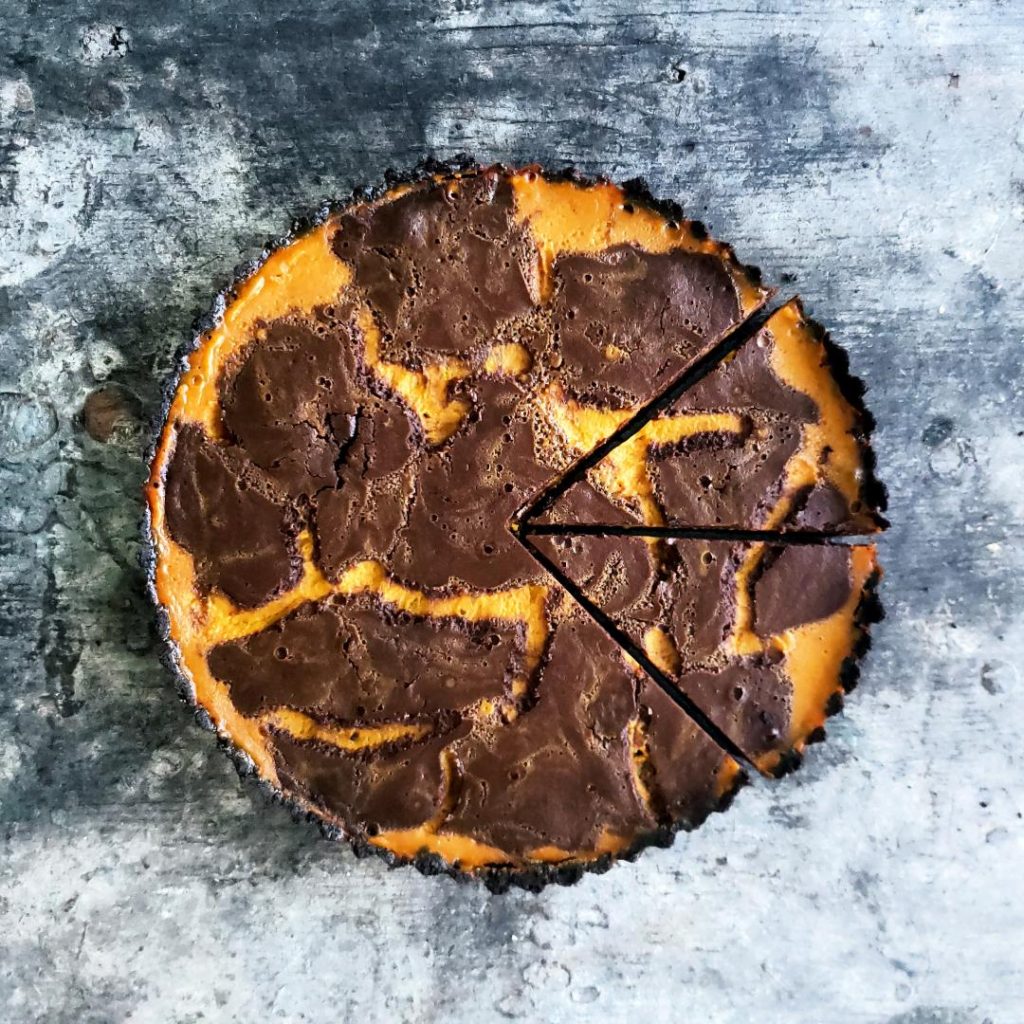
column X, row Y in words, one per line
column 853, row 390
column 497, row 879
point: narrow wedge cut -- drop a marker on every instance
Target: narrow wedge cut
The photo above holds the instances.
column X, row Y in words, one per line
column 774, row 438
column 763, row 638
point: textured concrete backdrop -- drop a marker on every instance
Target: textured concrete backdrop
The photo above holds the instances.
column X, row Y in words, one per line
column 868, row 153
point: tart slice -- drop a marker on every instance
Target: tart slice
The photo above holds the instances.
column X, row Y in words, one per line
column 762, row 637
column 773, row 438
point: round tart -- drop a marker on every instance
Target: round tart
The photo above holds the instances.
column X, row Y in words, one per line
column 432, row 514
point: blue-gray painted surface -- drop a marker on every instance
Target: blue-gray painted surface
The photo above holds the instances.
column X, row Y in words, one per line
column 867, row 153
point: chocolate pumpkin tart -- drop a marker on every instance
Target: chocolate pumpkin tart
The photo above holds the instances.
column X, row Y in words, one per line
column 348, row 503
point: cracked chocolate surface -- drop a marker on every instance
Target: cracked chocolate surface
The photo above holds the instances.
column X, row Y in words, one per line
column 291, row 405
column 395, row 658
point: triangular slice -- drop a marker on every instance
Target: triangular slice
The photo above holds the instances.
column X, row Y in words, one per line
column 774, row 438
column 763, row 638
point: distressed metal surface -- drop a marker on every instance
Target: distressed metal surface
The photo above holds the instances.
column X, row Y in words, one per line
column 868, row 154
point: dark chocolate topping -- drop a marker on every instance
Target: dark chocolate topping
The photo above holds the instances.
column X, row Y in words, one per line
column 358, row 520
column 561, row 773
column 310, row 443
column 628, row 322
column 441, row 266
column 821, row 509
column 232, row 519
column 298, row 409
column 361, row 516
column 748, row 699
column 800, row 584
column 457, row 528
column 725, row 479
column 583, row 502
column 356, row 661
column 616, row 575
column 291, row 405
column 696, row 597
column 370, row 791
column 683, row 763
column 746, row 381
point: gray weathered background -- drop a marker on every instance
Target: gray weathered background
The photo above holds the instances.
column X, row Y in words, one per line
column 868, row 153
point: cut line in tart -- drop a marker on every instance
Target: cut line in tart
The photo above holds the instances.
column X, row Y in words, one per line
column 338, row 551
